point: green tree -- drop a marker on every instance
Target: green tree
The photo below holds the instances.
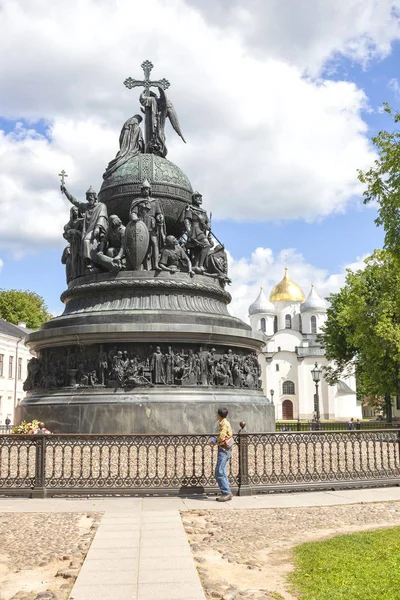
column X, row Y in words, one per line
column 16, row 306
column 382, row 182
column 362, row 330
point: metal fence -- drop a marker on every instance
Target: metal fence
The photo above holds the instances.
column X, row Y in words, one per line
column 6, row 428
column 55, row 465
column 332, row 425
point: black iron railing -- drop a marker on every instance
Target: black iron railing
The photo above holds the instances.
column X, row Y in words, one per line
column 54, row 465
column 332, row 425
column 6, row 428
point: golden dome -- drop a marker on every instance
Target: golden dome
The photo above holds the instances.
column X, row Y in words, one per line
column 287, row 291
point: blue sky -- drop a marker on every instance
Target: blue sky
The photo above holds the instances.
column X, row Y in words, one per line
column 289, row 188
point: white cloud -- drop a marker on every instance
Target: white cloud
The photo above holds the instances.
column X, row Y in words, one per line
column 1, row 264
column 263, row 269
column 264, row 142
column 308, row 34
column 394, row 86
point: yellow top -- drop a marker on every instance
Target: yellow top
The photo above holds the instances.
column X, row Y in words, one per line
column 287, row 291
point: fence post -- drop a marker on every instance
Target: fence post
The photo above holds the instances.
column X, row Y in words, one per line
column 39, row 489
column 244, row 488
column 398, row 444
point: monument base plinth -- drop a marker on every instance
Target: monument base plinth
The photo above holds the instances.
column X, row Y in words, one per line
column 176, row 410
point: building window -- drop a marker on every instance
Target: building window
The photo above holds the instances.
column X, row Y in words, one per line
column 10, row 367
column 300, row 324
column 263, row 325
column 288, row 387
column 275, row 324
column 20, row 368
column 313, row 321
column 277, row 367
column 1, row 365
column 288, row 322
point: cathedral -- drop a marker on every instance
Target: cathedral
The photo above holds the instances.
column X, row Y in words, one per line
column 291, row 323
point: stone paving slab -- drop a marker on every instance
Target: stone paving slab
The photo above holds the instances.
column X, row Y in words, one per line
column 114, row 563
column 96, row 554
column 184, row 575
column 104, row 592
column 164, row 563
column 170, row 591
column 107, row 543
column 165, row 550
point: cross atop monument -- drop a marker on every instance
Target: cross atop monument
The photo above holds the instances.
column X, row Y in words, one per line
column 63, row 174
column 146, row 82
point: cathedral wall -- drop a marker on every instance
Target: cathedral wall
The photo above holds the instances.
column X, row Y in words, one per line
column 287, row 308
column 306, row 321
column 256, row 325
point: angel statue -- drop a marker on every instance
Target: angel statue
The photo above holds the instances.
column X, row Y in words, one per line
column 157, row 109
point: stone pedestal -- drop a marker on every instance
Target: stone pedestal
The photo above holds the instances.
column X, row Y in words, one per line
column 142, row 314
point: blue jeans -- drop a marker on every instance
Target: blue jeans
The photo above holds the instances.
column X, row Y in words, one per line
column 220, row 470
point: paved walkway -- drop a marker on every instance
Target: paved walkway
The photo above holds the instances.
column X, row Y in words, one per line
column 140, row 550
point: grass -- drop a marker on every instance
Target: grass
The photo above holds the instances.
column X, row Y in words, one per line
column 362, row 566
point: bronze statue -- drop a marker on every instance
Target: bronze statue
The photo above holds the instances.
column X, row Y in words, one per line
column 157, row 366
column 174, row 258
column 149, row 211
column 94, row 227
column 131, row 143
column 102, row 364
column 197, row 237
column 72, row 258
column 114, row 257
column 156, row 109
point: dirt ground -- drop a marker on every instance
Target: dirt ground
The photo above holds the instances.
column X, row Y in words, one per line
column 41, row 553
column 247, row 554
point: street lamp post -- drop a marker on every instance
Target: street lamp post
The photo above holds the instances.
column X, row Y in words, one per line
column 316, row 373
column 272, row 395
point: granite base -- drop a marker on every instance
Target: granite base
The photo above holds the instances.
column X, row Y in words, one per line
column 154, row 411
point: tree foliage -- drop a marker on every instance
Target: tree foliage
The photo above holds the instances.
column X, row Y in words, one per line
column 362, row 330
column 29, row 307
column 382, row 182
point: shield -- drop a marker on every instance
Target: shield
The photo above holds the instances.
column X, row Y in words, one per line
column 136, row 243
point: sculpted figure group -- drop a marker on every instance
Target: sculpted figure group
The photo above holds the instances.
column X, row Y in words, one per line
column 134, row 367
column 98, row 242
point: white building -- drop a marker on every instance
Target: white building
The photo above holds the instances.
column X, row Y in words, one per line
column 291, row 324
column 14, row 357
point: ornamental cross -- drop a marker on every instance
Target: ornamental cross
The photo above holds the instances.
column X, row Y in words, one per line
column 62, row 175
column 146, row 82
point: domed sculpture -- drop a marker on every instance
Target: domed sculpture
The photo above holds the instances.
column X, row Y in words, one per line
column 287, row 291
column 145, row 343
column 168, row 183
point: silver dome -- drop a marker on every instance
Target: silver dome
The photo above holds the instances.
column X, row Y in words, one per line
column 313, row 302
column 261, row 305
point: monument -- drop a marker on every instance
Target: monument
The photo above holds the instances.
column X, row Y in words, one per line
column 146, row 343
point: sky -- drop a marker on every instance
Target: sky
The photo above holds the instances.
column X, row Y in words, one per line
column 277, row 102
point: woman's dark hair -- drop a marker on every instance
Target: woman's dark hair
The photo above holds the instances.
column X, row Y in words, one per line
column 223, row 412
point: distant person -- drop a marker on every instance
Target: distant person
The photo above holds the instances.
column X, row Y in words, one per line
column 224, row 441
column 357, row 425
column 7, row 422
column 350, row 424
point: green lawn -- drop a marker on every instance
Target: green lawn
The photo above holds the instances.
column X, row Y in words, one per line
column 362, row 566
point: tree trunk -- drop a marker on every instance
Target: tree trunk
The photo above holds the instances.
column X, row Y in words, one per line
column 388, row 407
